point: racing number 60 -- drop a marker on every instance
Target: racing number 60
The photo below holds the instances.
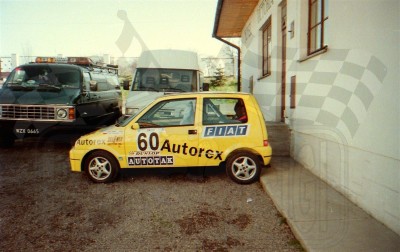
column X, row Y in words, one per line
column 152, row 141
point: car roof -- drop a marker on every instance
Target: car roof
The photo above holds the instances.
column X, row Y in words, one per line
column 207, row 93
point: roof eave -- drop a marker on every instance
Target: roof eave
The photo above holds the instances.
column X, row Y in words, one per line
column 231, row 17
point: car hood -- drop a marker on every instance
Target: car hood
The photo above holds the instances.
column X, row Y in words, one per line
column 34, row 97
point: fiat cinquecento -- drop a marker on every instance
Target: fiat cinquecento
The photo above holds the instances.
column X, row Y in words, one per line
column 181, row 130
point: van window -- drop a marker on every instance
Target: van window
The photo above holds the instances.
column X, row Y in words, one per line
column 105, row 81
column 165, row 80
column 44, row 77
column 86, row 81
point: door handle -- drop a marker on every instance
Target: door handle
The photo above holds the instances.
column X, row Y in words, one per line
column 192, row 132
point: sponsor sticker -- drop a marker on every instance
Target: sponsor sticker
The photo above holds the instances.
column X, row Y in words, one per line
column 149, row 145
column 225, row 131
column 150, row 160
column 90, row 142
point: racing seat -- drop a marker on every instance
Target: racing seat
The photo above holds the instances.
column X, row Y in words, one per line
column 164, row 82
column 150, row 82
column 188, row 115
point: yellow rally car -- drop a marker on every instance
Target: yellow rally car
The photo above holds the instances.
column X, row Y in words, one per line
column 181, row 130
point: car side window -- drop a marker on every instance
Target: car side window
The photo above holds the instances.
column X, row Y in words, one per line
column 223, row 111
column 170, row 113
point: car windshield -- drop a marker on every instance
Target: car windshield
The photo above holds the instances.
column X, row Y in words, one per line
column 165, row 80
column 43, row 78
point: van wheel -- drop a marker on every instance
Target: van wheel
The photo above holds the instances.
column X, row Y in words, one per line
column 101, row 167
column 6, row 139
column 243, row 168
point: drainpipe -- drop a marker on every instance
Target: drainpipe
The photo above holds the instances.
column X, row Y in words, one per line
column 239, row 86
column 216, row 22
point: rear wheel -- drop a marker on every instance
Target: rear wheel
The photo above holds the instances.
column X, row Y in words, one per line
column 243, row 167
column 101, row 167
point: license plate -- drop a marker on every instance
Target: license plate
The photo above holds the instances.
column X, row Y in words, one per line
column 27, row 131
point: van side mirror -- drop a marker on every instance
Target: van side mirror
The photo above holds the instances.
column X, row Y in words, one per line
column 93, row 85
column 206, row 87
column 126, row 85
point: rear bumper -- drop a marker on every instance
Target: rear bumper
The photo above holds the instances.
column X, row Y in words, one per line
column 266, row 154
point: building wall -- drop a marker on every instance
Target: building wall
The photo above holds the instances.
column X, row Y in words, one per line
column 346, row 120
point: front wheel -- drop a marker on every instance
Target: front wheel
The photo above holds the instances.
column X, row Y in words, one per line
column 101, row 167
column 6, row 139
column 243, row 168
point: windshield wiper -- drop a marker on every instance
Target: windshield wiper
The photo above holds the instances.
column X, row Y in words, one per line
column 70, row 86
column 173, row 89
column 50, row 87
column 147, row 89
column 17, row 86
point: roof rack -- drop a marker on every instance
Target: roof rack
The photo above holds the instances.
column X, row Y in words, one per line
column 80, row 61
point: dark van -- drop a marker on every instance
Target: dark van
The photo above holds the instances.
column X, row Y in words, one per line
column 40, row 98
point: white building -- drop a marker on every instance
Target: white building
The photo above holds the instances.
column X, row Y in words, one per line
column 330, row 70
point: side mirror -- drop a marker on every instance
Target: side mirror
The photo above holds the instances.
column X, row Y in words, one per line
column 126, row 85
column 206, row 87
column 135, row 126
column 93, row 85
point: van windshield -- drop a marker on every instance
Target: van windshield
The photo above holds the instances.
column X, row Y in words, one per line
column 44, row 78
column 165, row 80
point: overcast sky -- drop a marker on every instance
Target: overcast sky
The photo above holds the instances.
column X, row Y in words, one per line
column 97, row 27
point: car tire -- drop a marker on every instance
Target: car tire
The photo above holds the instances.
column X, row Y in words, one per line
column 101, row 167
column 243, row 167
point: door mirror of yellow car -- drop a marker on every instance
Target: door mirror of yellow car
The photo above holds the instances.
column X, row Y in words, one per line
column 135, row 126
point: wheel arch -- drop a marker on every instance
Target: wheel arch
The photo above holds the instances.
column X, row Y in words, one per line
column 94, row 150
column 249, row 150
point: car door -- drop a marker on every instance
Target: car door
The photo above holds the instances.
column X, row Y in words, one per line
column 100, row 102
column 165, row 136
column 223, row 128
column 88, row 106
column 106, row 96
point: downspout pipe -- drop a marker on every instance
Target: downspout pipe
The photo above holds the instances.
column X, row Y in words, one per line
column 216, row 22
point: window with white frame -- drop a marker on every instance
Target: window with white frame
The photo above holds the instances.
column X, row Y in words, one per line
column 266, row 48
column 317, row 24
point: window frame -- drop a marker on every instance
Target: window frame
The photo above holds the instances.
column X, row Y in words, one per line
column 223, row 118
column 147, row 120
column 266, row 48
column 317, row 18
column 293, row 92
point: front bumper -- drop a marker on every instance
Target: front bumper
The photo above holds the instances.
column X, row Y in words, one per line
column 75, row 158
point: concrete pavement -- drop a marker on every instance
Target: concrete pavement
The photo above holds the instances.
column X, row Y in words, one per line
column 321, row 218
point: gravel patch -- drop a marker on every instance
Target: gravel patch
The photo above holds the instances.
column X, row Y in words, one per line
column 46, row 207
